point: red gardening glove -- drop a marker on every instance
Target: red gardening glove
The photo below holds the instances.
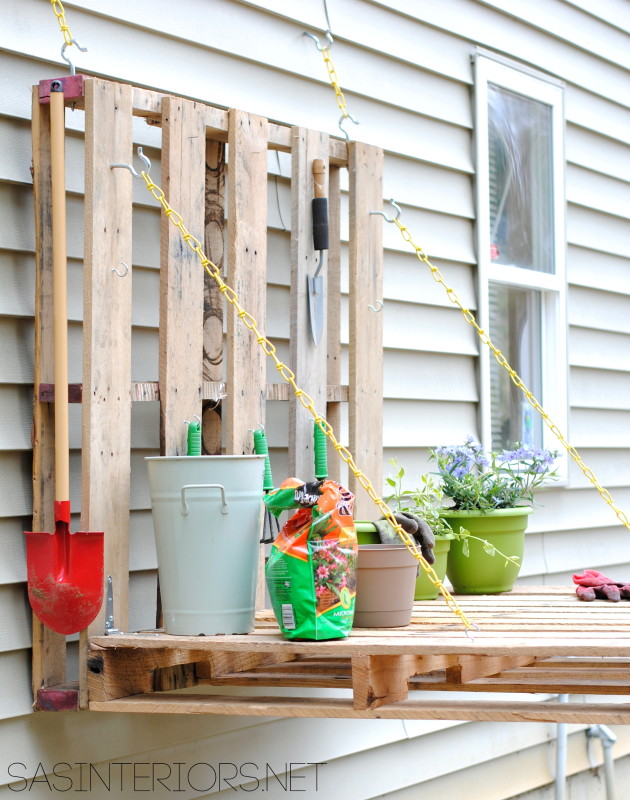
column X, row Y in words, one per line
column 592, row 584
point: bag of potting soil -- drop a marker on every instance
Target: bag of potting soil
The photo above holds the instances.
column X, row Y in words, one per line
column 311, row 570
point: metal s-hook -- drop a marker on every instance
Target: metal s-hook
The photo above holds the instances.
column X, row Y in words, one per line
column 135, row 174
column 68, row 61
column 343, row 118
column 121, row 274
column 376, row 310
column 385, row 217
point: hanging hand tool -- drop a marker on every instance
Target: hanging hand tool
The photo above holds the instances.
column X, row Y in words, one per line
column 64, row 570
column 271, row 526
column 315, row 284
column 320, row 453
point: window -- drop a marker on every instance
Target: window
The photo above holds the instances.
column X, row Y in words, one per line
column 521, row 244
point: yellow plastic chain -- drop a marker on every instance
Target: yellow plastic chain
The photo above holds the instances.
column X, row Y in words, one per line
column 332, row 74
column 501, row 359
column 57, row 7
column 287, row 375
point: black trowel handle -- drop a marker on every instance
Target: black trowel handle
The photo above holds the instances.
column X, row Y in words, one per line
column 320, row 206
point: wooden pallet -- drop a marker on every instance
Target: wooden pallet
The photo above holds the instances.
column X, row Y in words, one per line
column 541, row 641
column 222, row 199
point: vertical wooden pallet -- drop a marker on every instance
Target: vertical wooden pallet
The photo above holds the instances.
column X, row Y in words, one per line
column 193, row 358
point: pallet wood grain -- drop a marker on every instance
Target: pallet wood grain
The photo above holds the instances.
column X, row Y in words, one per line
column 365, row 410
column 491, row 710
column 181, row 276
column 381, row 666
column 247, row 275
column 308, row 360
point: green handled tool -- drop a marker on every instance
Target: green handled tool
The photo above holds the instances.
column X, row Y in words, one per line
column 320, row 452
column 271, row 526
column 194, row 438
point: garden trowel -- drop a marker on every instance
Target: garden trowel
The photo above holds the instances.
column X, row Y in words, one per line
column 315, row 284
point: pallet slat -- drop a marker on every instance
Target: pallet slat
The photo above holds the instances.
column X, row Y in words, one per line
column 501, row 711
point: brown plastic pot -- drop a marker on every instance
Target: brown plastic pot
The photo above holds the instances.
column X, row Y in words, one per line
column 386, row 581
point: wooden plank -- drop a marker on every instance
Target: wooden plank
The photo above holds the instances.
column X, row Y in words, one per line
column 246, row 265
column 213, row 299
column 469, row 668
column 49, row 648
column 308, row 360
column 114, row 673
column 333, row 285
column 365, row 416
column 181, row 274
column 498, row 711
column 148, row 104
column 106, row 411
column 378, row 680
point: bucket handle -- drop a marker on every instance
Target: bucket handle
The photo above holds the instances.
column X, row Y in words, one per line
column 224, row 506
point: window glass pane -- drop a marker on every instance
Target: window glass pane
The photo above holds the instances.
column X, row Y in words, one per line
column 515, row 328
column 521, row 186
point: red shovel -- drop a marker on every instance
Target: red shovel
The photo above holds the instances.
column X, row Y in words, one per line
column 64, row 570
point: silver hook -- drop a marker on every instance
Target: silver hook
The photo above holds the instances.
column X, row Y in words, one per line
column 376, row 310
column 385, row 217
column 469, row 634
column 135, row 174
column 195, row 416
column 121, row 274
column 342, row 119
column 329, row 36
column 65, row 57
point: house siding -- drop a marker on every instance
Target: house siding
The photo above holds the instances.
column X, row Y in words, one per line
column 405, row 68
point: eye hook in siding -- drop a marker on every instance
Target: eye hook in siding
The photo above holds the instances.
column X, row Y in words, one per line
column 329, row 36
column 342, row 119
column 68, row 61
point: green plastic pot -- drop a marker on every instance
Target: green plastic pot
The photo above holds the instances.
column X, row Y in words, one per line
column 425, row 590
column 479, row 572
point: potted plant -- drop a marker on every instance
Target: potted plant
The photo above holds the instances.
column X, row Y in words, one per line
column 425, row 502
column 492, row 496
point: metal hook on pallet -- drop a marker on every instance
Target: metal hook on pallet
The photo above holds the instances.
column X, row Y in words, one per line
column 135, row 174
column 110, row 625
column 385, row 217
column 68, row 61
column 376, row 310
column 469, row 634
column 121, row 274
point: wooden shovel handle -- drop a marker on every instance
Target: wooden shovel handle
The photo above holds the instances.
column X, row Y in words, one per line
column 319, row 177
column 60, row 305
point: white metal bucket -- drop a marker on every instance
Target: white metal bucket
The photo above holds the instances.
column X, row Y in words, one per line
column 207, row 517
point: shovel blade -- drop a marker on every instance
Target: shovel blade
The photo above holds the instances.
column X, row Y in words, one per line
column 315, row 287
column 65, row 577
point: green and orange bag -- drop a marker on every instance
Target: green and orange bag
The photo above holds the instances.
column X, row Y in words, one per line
column 311, row 570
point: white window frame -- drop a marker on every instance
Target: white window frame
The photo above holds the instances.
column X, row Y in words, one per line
column 554, row 400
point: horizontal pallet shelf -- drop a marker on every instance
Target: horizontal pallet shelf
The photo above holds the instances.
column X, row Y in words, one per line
column 538, row 641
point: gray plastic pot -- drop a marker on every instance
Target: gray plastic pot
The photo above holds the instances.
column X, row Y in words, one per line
column 386, row 581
